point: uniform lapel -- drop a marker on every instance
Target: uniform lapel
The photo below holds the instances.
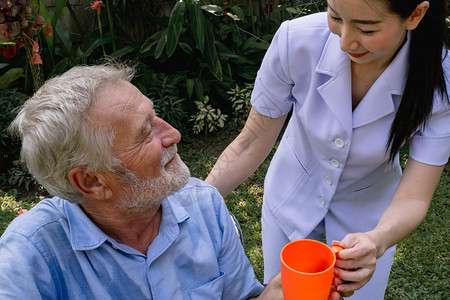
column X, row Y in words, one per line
column 336, row 92
column 379, row 101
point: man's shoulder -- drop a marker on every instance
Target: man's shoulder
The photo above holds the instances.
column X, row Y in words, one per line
column 198, row 184
column 47, row 212
column 197, row 193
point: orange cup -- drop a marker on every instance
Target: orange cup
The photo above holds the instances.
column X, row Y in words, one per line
column 307, row 269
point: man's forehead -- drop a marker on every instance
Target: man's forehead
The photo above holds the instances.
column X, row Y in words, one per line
column 120, row 104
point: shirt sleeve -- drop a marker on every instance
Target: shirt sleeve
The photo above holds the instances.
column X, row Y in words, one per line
column 240, row 280
column 272, row 93
column 24, row 271
column 431, row 143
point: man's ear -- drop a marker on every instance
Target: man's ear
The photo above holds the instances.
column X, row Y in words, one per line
column 90, row 184
column 417, row 15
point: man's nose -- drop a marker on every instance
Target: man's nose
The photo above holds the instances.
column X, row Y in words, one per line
column 168, row 134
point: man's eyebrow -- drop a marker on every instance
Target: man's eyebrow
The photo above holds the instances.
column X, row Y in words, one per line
column 143, row 130
column 366, row 22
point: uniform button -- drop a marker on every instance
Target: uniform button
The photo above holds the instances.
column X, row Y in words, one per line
column 328, row 180
column 339, row 143
column 334, row 163
column 322, row 201
column 115, row 247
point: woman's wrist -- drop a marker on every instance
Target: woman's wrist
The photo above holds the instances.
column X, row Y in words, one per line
column 379, row 238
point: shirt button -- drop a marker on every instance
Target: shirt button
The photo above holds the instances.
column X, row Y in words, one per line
column 322, row 201
column 334, row 163
column 115, row 247
column 339, row 143
column 328, row 180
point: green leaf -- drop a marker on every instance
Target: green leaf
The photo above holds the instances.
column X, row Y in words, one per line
column 213, row 9
column 10, row 76
column 60, row 4
column 162, row 42
column 211, row 53
column 197, row 22
column 63, row 36
column 186, row 48
column 198, row 88
column 49, row 39
column 150, row 42
column 96, row 43
column 174, row 28
column 190, row 86
column 123, row 51
column 60, row 67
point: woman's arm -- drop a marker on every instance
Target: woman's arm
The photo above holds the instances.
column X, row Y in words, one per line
column 405, row 213
column 248, row 150
column 409, row 205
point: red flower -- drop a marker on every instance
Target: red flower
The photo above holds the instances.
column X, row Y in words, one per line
column 9, row 52
column 268, row 7
column 48, row 30
column 22, row 211
column 97, row 5
column 19, row 44
column 36, row 59
column 35, row 47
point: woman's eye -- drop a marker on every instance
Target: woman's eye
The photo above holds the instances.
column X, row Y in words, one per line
column 335, row 19
column 366, row 32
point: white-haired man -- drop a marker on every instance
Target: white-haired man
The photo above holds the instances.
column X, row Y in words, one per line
column 126, row 221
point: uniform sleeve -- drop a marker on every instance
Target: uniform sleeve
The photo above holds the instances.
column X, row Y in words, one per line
column 431, row 144
column 24, row 272
column 240, row 281
column 273, row 87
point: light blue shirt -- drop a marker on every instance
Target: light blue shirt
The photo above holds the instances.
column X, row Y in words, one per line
column 55, row 251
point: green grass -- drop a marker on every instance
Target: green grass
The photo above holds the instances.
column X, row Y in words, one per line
column 421, row 268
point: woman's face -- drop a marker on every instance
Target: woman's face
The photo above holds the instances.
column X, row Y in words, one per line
column 370, row 33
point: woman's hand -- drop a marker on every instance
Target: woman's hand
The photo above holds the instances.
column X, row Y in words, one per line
column 355, row 264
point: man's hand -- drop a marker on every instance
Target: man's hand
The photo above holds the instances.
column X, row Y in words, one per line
column 273, row 290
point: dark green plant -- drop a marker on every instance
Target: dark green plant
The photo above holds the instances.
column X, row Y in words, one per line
column 20, row 177
column 167, row 104
column 10, row 99
column 209, row 44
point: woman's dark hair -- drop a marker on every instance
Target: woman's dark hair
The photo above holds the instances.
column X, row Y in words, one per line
column 425, row 74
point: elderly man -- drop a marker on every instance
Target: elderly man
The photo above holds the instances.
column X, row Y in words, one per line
column 126, row 221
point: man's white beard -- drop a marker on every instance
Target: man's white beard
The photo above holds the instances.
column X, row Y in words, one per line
column 144, row 194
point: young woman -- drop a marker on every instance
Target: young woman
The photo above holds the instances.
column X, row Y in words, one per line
column 361, row 80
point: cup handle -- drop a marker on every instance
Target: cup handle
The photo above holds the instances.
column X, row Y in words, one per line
column 336, row 249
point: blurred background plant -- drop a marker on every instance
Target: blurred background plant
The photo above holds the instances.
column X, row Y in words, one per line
column 195, row 58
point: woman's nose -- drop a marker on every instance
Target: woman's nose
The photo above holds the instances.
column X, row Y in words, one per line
column 348, row 40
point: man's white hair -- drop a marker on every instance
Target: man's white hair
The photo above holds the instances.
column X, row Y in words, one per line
column 54, row 130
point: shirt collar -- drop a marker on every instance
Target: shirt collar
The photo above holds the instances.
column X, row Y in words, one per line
column 85, row 235
column 333, row 60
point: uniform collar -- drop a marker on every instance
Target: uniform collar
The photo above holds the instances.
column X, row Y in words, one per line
column 336, row 91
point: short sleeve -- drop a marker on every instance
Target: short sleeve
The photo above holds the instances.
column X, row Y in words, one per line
column 24, row 271
column 431, row 144
column 240, row 280
column 272, row 93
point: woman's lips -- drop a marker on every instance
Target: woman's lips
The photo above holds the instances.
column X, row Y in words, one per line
column 356, row 55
